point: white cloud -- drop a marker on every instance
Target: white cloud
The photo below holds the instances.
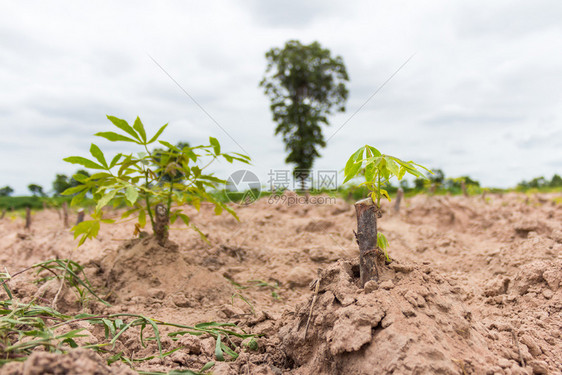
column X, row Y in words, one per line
column 481, row 96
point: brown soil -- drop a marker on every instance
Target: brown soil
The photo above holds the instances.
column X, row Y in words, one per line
column 474, row 288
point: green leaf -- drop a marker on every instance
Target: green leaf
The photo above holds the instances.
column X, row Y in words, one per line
column 142, row 217
column 78, row 198
column 392, row 166
column 115, row 160
column 184, row 218
column 207, row 366
column 80, row 177
column 169, row 145
column 114, row 137
column 98, row 154
column 123, row 125
column 105, row 199
column 88, row 229
column 370, row 171
column 218, row 350
column 401, row 172
column 74, row 190
column 139, row 127
column 382, row 243
column 158, row 133
column 131, row 193
column 216, row 145
column 353, row 165
column 376, row 153
column 83, row 161
column 385, row 193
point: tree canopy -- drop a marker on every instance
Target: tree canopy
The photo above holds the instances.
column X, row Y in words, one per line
column 36, row 190
column 6, row 191
column 304, row 83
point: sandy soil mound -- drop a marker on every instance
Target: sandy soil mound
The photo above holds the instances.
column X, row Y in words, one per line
column 142, row 271
column 76, row 362
column 412, row 322
column 475, row 286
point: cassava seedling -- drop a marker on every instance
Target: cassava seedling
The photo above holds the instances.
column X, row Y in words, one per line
column 378, row 170
column 148, row 182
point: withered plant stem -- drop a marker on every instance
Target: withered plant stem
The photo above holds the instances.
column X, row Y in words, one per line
column 366, row 237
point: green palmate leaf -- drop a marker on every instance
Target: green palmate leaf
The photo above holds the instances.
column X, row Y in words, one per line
column 115, row 160
column 80, row 177
column 87, row 229
column 385, row 194
column 139, row 127
column 370, row 170
column 114, row 137
column 100, row 175
column 83, row 161
column 392, row 166
column 374, row 151
column 158, row 133
column 74, row 190
column 184, row 218
column 123, row 125
column 142, row 217
column 78, row 198
column 382, row 243
column 401, row 172
column 169, row 145
column 105, row 199
column 96, row 152
column 216, row 145
column 353, row 165
column 218, row 209
column 131, row 193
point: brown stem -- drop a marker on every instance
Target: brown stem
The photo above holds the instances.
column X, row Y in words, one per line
column 65, row 214
column 366, row 237
column 161, row 223
column 399, row 196
column 27, row 217
column 80, row 217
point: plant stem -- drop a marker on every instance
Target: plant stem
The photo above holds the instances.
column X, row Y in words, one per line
column 379, row 191
column 170, row 196
column 147, row 200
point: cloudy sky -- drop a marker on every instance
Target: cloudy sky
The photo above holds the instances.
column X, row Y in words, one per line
column 481, row 96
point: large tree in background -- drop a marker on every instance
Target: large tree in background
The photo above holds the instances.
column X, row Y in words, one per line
column 6, row 191
column 305, row 83
column 36, row 190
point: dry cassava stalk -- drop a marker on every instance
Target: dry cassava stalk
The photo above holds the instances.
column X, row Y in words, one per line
column 27, row 217
column 65, row 214
column 80, row 217
column 399, row 196
column 161, row 220
column 366, row 236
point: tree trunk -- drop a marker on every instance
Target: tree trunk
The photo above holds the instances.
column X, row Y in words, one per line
column 463, row 188
column 80, row 217
column 27, row 217
column 161, row 223
column 3, row 213
column 399, row 196
column 366, row 237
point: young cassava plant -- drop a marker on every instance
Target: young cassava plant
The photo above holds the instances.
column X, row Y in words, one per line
column 377, row 170
column 150, row 183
